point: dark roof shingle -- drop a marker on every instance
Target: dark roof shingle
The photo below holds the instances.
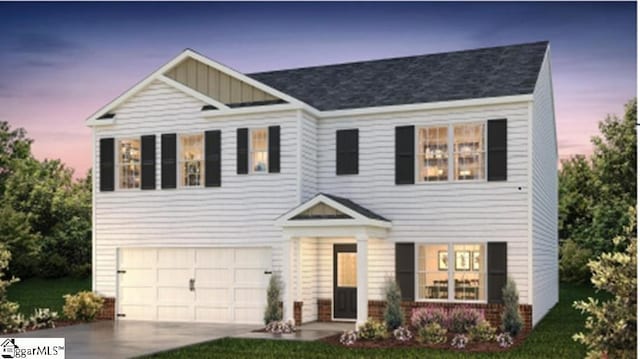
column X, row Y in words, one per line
column 487, row 72
column 355, row 207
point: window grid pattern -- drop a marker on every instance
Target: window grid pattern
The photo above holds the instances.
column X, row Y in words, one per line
column 433, row 154
column 129, row 163
column 259, row 150
column 469, row 152
column 191, row 160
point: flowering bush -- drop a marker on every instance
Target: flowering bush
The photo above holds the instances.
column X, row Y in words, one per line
column 462, row 319
column 372, row 330
column 421, row 317
column 43, row 318
column 349, row 337
column 280, row 327
column 83, row 305
column 432, row 333
column 402, row 334
column 459, row 341
column 17, row 324
column 504, row 340
column 482, row 332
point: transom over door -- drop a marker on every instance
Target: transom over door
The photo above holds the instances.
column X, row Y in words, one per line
column 345, row 280
column 223, row 285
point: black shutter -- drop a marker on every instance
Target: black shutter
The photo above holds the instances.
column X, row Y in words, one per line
column 347, row 152
column 148, row 162
column 274, row 149
column 107, row 155
column 169, row 160
column 212, row 158
column 405, row 155
column 242, row 151
column 496, row 270
column 405, row 270
column 497, row 150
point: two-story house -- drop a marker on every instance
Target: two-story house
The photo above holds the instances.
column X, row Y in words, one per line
column 436, row 170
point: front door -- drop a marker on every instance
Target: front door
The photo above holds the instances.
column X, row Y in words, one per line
column 345, row 280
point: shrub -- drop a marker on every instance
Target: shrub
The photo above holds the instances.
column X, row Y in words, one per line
column 280, row 327
column 81, row 270
column 504, row 340
column 432, row 333
column 402, row 334
column 83, row 305
column 611, row 325
column 349, row 337
column 372, row 330
column 462, row 319
column 511, row 319
column 273, row 311
column 459, row 341
column 573, row 262
column 10, row 320
column 482, row 332
column 17, row 323
column 421, row 317
column 393, row 315
column 43, row 318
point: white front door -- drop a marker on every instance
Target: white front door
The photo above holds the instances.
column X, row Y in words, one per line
column 222, row 285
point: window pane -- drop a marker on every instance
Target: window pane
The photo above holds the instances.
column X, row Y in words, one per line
column 129, row 163
column 347, row 270
column 433, row 154
column 191, row 160
column 259, row 150
column 433, row 271
column 468, row 148
column 469, row 272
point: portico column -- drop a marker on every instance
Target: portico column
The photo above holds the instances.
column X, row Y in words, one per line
column 362, row 240
column 287, row 278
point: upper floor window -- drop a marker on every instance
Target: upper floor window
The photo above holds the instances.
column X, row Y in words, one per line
column 191, row 160
column 129, row 163
column 468, row 152
column 451, row 152
column 259, row 150
column 433, row 154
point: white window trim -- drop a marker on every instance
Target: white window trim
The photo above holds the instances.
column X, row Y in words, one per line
column 251, row 171
column 450, row 273
column 179, row 160
column 451, row 159
column 118, row 164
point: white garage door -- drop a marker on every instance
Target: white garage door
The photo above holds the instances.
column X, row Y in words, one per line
column 223, row 285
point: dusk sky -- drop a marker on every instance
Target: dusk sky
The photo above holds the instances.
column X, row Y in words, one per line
column 62, row 62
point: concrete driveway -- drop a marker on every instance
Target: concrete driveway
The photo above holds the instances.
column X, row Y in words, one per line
column 126, row 339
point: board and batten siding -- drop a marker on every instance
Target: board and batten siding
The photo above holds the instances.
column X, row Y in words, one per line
column 459, row 212
column 544, row 196
column 239, row 213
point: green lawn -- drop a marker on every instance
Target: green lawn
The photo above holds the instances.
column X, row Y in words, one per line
column 45, row 293
column 551, row 339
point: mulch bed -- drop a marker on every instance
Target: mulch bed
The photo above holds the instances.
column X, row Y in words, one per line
column 413, row 343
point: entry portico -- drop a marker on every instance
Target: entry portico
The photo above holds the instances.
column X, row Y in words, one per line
column 327, row 217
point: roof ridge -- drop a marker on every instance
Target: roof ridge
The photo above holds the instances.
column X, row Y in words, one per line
column 397, row 58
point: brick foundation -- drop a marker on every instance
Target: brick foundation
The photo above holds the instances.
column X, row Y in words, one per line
column 108, row 311
column 324, row 310
column 492, row 312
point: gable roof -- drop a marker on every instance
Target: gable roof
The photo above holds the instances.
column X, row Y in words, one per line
column 469, row 74
column 355, row 207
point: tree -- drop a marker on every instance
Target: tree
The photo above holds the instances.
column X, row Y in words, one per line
column 14, row 147
column 273, row 311
column 611, row 325
column 393, row 315
column 594, row 193
column 511, row 318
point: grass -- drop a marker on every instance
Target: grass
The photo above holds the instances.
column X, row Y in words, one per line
column 550, row 339
column 45, row 293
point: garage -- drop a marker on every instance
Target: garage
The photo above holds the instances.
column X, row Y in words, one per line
column 216, row 285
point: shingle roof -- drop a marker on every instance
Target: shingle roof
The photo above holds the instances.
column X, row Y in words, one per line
column 487, row 72
column 355, row 207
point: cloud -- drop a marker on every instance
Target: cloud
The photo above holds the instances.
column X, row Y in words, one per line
column 35, row 43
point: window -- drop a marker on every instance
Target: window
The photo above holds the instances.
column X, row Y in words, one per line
column 459, row 267
column 191, row 160
column 468, row 152
column 129, row 163
column 259, row 150
column 347, row 269
column 433, row 154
